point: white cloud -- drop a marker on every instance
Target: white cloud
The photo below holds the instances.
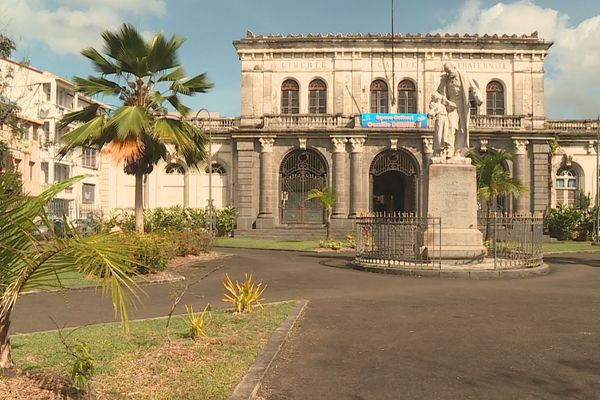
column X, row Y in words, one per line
column 67, row 26
column 572, row 78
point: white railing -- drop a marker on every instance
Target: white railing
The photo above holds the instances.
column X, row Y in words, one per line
column 217, row 125
column 307, row 121
column 572, row 125
column 497, row 121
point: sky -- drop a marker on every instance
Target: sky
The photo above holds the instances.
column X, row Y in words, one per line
column 51, row 34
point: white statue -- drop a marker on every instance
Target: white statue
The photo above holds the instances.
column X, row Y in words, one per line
column 443, row 135
column 457, row 88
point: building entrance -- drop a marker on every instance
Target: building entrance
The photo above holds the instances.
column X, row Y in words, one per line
column 394, row 182
column 300, row 172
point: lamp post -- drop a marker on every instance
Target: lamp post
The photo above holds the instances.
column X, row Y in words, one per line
column 597, row 219
column 210, row 199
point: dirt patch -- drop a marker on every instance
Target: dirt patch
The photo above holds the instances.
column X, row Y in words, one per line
column 31, row 386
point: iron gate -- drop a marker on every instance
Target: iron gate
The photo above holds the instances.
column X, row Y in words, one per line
column 301, row 171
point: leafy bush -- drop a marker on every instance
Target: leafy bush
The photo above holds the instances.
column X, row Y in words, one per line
column 350, row 241
column 225, row 221
column 152, row 255
column 173, row 219
column 244, row 296
column 330, row 244
column 573, row 222
column 190, row 243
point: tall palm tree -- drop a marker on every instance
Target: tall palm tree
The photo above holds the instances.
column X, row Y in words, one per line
column 493, row 180
column 327, row 197
column 29, row 260
column 148, row 78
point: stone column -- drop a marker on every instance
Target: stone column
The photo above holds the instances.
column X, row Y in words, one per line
column 356, row 150
column 339, row 178
column 265, row 205
column 427, row 154
column 521, row 172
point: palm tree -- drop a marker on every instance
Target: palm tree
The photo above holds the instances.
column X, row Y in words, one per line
column 327, row 197
column 149, row 79
column 29, row 261
column 493, row 180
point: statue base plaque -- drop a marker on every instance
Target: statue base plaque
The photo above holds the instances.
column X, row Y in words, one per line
column 453, row 197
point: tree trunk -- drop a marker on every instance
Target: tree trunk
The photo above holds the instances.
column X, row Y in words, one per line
column 328, row 224
column 487, row 220
column 139, row 201
column 5, row 350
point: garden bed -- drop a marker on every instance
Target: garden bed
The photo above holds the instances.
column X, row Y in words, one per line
column 145, row 364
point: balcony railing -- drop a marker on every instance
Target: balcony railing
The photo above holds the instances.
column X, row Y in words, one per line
column 310, row 121
column 572, row 125
column 497, row 121
column 218, row 125
column 330, row 122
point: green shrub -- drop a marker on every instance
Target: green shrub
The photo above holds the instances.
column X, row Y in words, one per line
column 330, row 244
column 172, row 219
column 225, row 220
column 190, row 243
column 153, row 253
column 573, row 222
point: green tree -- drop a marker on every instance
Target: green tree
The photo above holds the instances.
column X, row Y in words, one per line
column 148, row 78
column 327, row 197
column 30, row 260
column 494, row 181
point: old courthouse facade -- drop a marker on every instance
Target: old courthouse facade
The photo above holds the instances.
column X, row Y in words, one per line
column 300, row 128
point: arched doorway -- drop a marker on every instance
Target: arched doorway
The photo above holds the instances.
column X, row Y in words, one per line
column 394, row 181
column 301, row 171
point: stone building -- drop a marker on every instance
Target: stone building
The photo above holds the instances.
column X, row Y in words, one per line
column 300, row 127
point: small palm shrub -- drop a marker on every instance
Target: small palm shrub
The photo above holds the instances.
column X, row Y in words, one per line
column 244, row 296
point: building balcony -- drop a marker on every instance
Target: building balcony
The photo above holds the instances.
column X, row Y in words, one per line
column 308, row 122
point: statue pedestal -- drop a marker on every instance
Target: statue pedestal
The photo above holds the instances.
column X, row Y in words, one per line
column 453, row 197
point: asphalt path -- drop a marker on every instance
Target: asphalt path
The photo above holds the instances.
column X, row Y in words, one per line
column 373, row 336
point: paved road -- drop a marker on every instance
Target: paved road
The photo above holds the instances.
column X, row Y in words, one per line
column 371, row 336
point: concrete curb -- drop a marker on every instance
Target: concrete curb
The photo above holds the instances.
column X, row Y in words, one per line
column 541, row 270
column 250, row 384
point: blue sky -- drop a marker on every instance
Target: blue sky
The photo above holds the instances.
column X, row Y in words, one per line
column 51, row 32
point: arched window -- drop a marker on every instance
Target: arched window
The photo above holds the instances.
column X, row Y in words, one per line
column 174, row 168
column 216, row 169
column 317, row 97
column 379, row 96
column 407, row 97
column 290, row 97
column 567, row 186
column 495, row 98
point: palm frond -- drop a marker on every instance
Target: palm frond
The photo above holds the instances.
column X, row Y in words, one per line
column 100, row 63
column 130, row 121
column 94, row 85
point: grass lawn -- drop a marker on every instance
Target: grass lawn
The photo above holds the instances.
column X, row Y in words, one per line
column 143, row 365
column 569, row 246
column 269, row 244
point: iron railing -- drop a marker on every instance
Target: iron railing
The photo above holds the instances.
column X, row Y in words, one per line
column 398, row 241
column 514, row 241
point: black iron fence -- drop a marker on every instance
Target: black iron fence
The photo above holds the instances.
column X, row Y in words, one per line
column 398, row 240
column 514, row 241
column 408, row 241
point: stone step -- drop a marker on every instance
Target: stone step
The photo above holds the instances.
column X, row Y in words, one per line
column 291, row 233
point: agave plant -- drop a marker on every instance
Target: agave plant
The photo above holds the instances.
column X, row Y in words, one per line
column 244, row 296
column 29, row 260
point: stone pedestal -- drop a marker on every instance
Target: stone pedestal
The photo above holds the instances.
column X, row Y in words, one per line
column 453, row 197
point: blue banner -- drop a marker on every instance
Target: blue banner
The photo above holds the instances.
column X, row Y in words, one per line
column 384, row 121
